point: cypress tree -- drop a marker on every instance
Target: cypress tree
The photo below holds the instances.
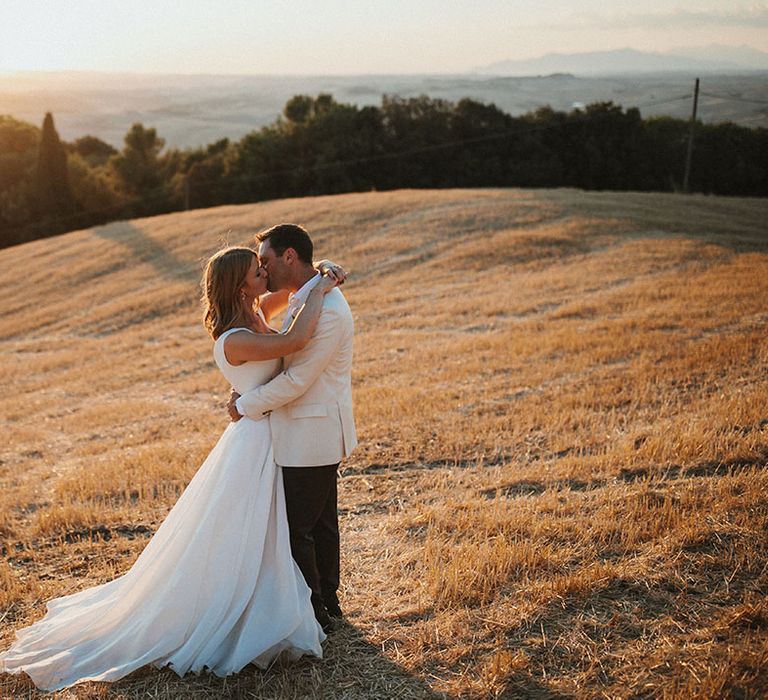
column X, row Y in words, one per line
column 54, row 196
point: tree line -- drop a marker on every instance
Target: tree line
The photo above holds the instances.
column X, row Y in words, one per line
column 320, row 146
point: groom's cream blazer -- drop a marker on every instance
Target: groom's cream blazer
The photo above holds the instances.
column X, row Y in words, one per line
column 311, row 399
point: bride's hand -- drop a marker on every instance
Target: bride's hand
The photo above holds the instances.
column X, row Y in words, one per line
column 326, row 284
column 332, row 270
column 234, row 414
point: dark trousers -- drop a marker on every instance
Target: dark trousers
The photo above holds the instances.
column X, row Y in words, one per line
column 310, row 500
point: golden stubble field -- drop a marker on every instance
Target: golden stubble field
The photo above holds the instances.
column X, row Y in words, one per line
column 562, row 399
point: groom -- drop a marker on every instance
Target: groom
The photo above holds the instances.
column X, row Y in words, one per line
column 310, row 401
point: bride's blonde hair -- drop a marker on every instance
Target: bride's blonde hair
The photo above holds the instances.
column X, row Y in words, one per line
column 223, row 279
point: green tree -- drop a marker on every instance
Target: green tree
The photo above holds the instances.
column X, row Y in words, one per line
column 202, row 178
column 298, row 109
column 53, row 193
column 19, row 143
column 93, row 150
column 94, row 190
column 730, row 159
column 660, row 166
column 138, row 166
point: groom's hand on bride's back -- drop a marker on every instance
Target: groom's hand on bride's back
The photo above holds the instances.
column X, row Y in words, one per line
column 234, row 414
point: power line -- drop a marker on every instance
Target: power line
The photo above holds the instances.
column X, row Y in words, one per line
column 732, row 98
column 317, row 167
column 665, row 101
column 141, row 202
column 118, row 212
column 393, row 155
column 507, row 133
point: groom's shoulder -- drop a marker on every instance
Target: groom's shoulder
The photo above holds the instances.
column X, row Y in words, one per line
column 336, row 304
column 336, row 300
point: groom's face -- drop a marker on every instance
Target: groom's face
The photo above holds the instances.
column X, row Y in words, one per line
column 278, row 272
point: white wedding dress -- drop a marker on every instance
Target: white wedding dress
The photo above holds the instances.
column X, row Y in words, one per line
column 216, row 586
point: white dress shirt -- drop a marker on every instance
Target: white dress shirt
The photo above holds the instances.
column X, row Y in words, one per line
column 297, row 300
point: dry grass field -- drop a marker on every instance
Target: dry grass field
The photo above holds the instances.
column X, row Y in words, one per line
column 562, row 400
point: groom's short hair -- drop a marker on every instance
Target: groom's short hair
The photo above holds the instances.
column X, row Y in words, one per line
column 284, row 236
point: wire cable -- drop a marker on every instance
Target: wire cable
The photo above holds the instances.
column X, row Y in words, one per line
column 731, row 98
column 141, row 202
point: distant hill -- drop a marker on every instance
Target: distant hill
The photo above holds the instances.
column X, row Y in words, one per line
column 709, row 59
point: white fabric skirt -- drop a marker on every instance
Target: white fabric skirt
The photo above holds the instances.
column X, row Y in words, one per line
column 215, row 588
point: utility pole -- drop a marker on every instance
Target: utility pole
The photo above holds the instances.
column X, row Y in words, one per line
column 689, row 153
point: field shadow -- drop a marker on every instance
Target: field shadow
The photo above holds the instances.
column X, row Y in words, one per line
column 674, row 472
column 523, row 686
column 733, row 243
column 352, row 667
column 707, row 468
column 731, row 224
column 372, row 674
column 141, row 248
column 559, row 642
column 494, row 460
column 618, row 613
column 588, row 616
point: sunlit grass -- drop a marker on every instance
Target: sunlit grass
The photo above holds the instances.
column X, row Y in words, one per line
column 562, row 400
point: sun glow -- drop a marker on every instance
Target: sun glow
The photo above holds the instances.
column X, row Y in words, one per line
column 368, row 37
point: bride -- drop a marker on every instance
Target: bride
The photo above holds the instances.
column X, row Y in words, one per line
column 216, row 587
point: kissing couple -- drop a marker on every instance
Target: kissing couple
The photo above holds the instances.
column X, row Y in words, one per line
column 246, row 564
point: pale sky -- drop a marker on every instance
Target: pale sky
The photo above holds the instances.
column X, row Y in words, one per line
column 352, row 36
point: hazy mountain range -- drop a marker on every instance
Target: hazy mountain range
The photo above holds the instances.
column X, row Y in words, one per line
column 709, row 59
column 194, row 110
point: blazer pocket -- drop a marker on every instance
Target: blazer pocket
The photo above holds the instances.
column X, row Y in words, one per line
column 310, row 410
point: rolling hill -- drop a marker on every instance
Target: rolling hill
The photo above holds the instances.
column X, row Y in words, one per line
column 562, row 401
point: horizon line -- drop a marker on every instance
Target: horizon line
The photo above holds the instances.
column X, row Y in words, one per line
column 478, row 70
